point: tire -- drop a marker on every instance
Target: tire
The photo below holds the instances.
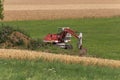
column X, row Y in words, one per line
column 68, row 47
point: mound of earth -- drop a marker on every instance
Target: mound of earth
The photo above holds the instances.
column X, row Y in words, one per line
column 16, row 39
column 11, row 38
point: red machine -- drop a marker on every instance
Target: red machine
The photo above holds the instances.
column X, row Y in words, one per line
column 63, row 37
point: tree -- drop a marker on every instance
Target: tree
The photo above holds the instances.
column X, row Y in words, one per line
column 1, row 10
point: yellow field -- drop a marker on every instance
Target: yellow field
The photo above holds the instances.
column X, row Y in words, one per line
column 57, row 9
column 25, row 54
column 62, row 1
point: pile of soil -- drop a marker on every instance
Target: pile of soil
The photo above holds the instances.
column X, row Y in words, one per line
column 16, row 39
column 11, row 38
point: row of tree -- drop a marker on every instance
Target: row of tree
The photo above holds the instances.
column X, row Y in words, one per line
column 1, row 10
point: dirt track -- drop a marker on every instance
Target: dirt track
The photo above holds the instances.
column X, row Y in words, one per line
column 57, row 9
column 24, row 54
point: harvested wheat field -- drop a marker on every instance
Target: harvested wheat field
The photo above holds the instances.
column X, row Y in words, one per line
column 25, row 54
column 62, row 1
column 58, row 14
column 57, row 9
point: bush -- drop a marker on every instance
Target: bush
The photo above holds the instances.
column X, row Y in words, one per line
column 36, row 44
column 4, row 32
column 17, row 38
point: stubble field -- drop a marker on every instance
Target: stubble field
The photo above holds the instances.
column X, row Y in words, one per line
column 59, row 9
column 24, row 54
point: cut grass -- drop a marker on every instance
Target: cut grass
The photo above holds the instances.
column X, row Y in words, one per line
column 100, row 35
column 12, row 69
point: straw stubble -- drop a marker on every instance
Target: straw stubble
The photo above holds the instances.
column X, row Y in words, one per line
column 25, row 54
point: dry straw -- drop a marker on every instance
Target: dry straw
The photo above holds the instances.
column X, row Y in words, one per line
column 25, row 54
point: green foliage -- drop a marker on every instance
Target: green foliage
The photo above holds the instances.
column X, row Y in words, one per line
column 43, row 70
column 36, row 44
column 1, row 10
column 21, row 40
column 5, row 31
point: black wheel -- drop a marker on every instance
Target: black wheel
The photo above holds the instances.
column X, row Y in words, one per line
column 68, row 47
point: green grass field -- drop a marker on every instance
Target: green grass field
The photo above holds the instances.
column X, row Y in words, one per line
column 43, row 70
column 101, row 35
column 101, row 38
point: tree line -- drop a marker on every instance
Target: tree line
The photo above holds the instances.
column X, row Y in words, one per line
column 1, row 10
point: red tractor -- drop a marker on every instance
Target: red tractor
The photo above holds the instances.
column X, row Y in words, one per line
column 63, row 37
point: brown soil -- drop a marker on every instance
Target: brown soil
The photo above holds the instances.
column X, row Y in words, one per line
column 15, row 40
column 17, row 36
column 24, row 54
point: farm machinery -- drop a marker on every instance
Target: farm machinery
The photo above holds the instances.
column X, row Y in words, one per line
column 63, row 37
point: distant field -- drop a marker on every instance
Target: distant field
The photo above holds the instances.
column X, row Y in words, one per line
column 101, row 35
column 19, row 2
column 59, row 9
column 58, row 14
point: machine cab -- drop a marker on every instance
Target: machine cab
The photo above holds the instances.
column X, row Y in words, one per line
column 68, row 35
